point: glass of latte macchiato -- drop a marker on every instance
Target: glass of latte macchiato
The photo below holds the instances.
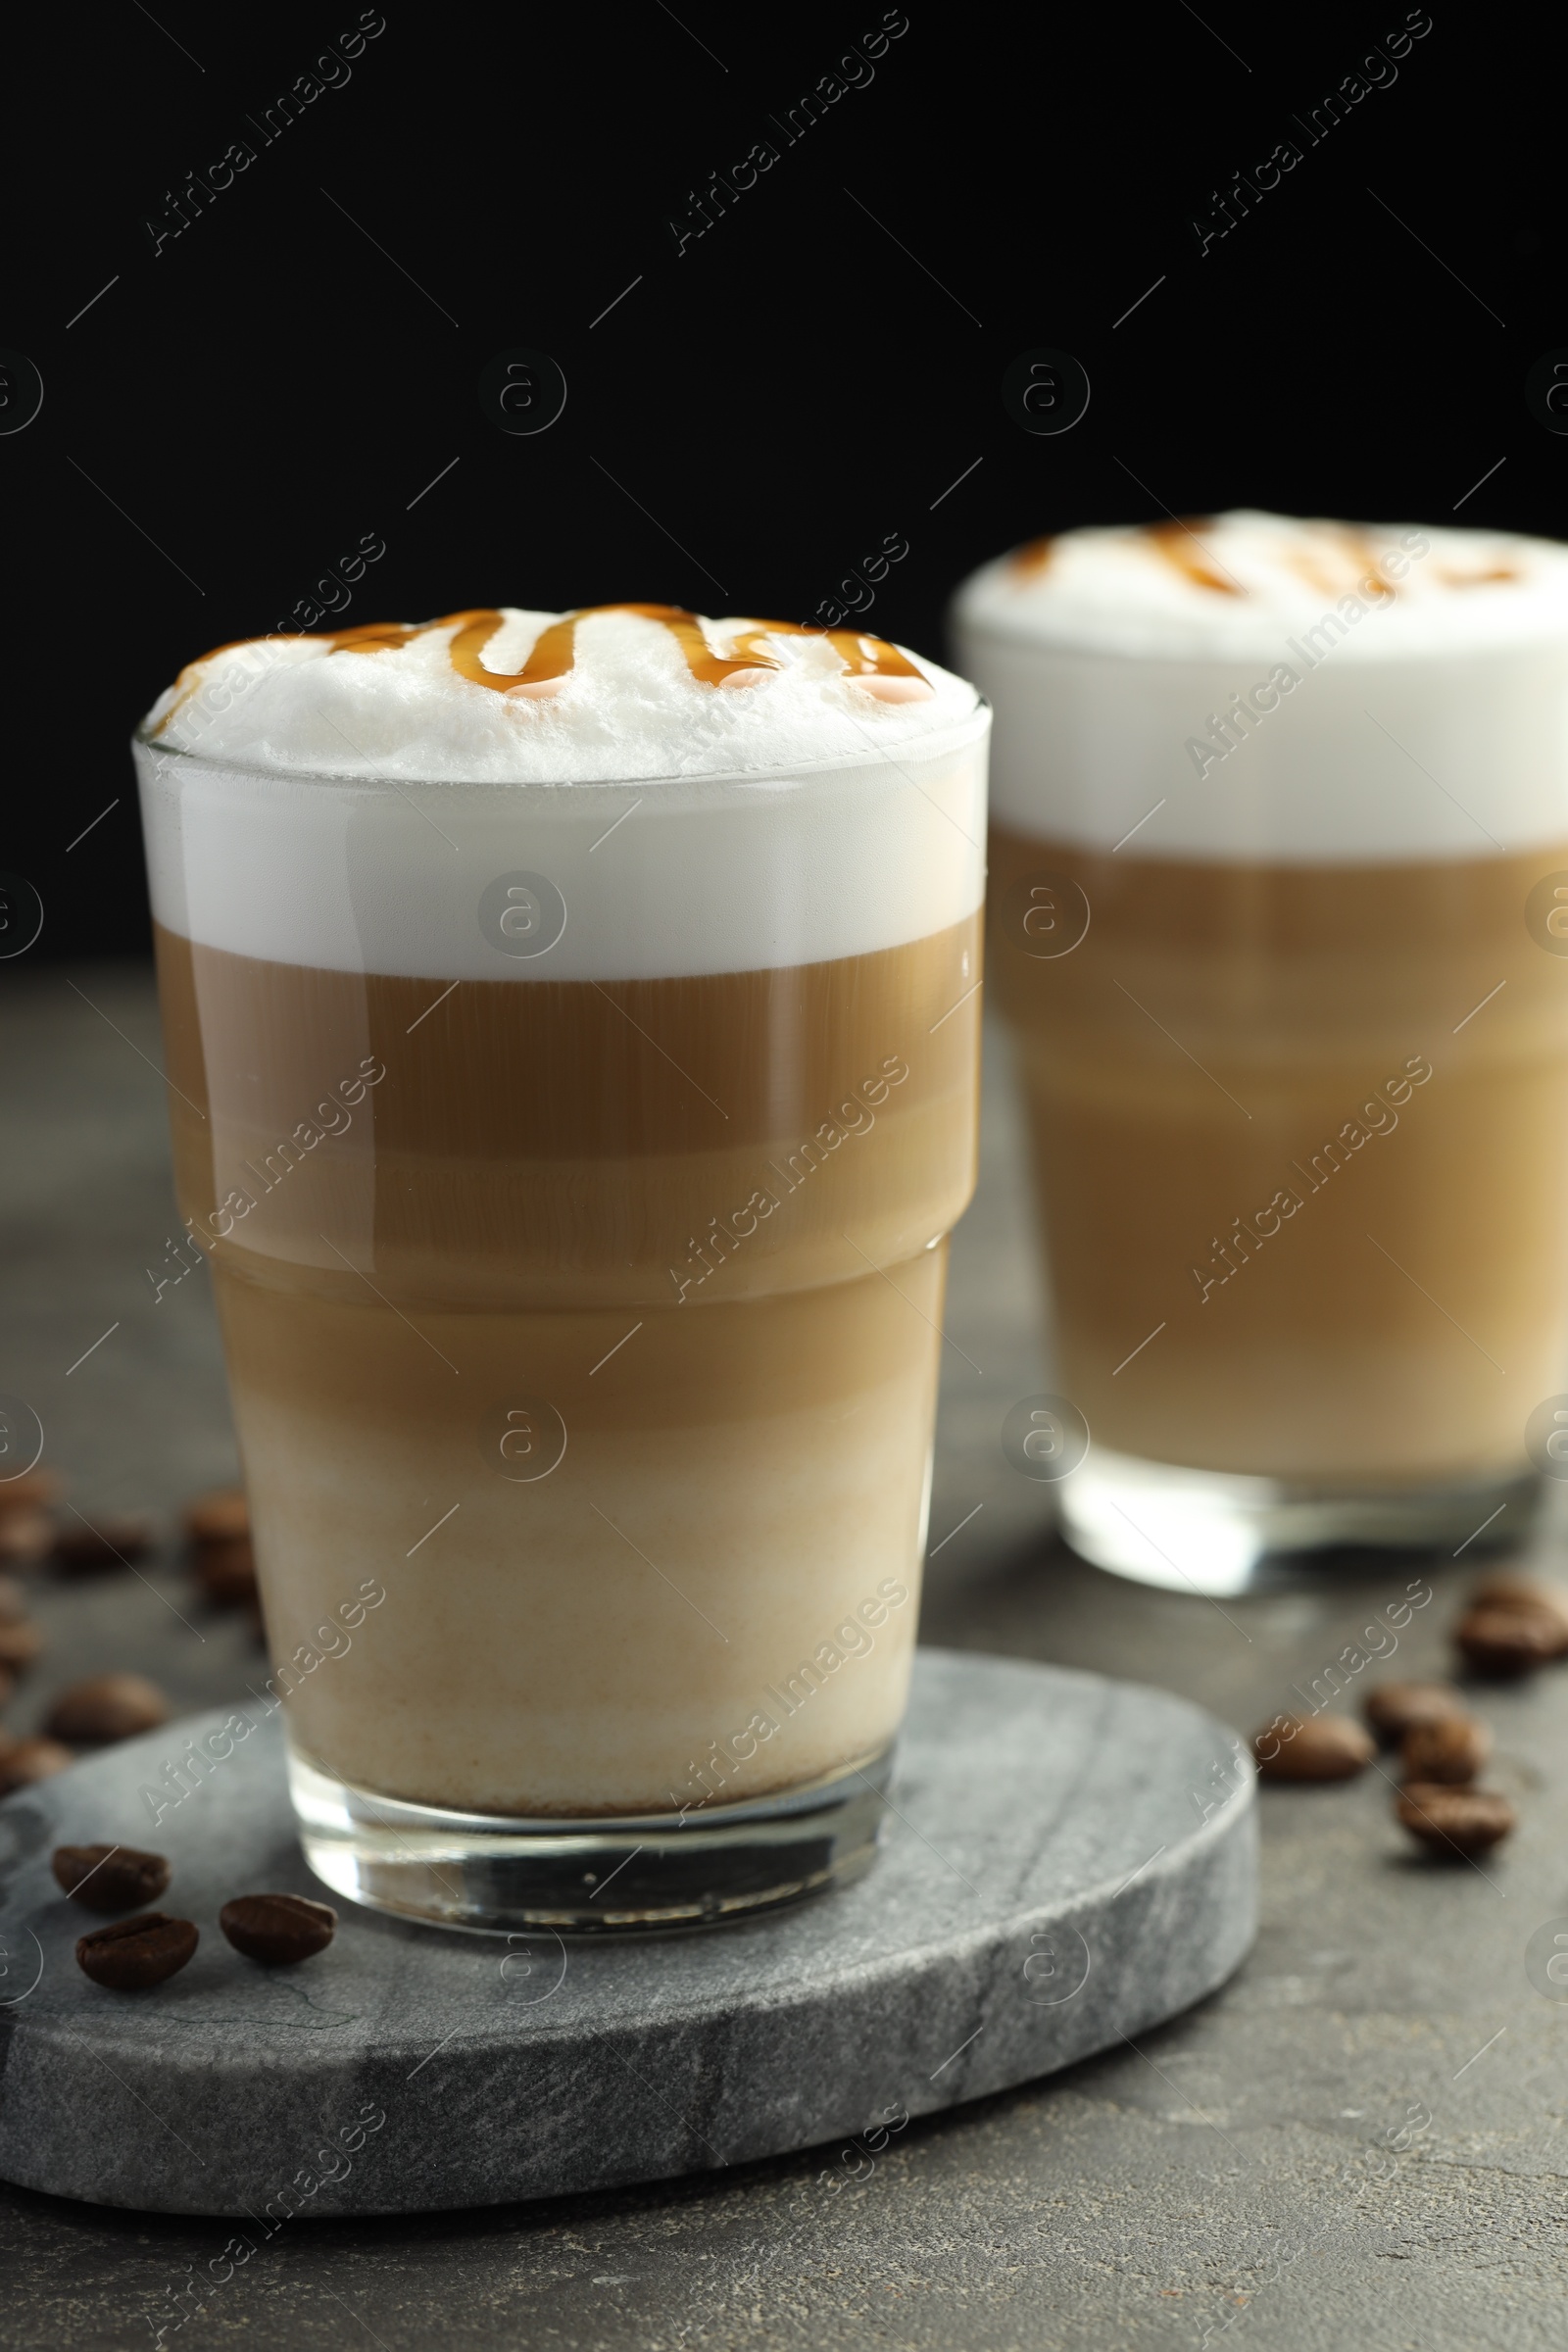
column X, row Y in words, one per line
column 572, row 1027
column 1279, row 889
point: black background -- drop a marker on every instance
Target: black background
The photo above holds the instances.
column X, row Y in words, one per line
column 762, row 407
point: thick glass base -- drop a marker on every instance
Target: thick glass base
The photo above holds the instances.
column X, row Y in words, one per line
column 649, row 1874
column 1212, row 1531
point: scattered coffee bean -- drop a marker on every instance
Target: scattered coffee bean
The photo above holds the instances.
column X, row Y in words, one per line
column 1394, row 1708
column 1524, row 1596
column 110, row 1877
column 137, row 1952
column 1507, row 1643
column 1452, row 1751
column 32, row 1490
column 26, row 1538
column 107, row 1706
column 277, row 1929
column 19, row 1643
column 226, row 1572
column 114, row 1538
column 24, row 1761
column 1312, row 1748
column 217, row 1517
column 1454, row 1821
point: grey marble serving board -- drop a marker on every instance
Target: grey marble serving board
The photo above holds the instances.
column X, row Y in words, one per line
column 1066, row 1860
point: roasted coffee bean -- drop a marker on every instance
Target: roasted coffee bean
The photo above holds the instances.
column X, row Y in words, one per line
column 26, row 1538
column 1529, row 1594
column 109, row 1878
column 19, row 1643
column 107, row 1706
column 114, row 1540
column 24, row 1761
column 1504, row 1643
column 217, row 1517
column 277, row 1929
column 137, row 1952
column 1312, row 1748
column 34, row 1490
column 1452, row 1751
column 1454, row 1821
column 226, row 1572
column 1394, row 1708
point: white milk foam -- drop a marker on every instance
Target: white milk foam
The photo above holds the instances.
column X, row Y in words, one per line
column 350, row 810
column 1257, row 689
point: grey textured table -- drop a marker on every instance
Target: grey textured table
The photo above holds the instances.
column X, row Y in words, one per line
column 1361, row 2140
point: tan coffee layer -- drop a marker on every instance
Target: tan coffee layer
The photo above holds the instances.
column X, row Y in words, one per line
column 1314, row 1123
column 553, row 1144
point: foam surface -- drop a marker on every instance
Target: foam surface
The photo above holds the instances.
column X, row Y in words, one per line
column 629, row 709
column 1277, row 691
column 1239, row 584
column 360, row 812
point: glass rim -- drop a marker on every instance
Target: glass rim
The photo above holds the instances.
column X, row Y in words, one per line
column 962, row 731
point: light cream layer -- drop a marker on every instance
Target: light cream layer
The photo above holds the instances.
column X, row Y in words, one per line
column 712, row 1594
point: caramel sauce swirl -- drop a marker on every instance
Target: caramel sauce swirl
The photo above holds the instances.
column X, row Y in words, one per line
column 1029, row 560
column 869, row 661
column 1181, row 548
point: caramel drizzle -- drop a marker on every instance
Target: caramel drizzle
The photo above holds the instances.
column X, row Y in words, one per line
column 553, row 654
column 1479, row 579
column 869, row 661
column 1172, row 541
column 1314, row 561
column 1030, row 561
column 1182, row 549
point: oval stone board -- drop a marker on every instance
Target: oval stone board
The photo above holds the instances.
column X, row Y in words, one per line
column 1065, row 1860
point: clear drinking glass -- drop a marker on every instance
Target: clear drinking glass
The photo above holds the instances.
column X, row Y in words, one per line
column 1270, row 935
column 581, row 1315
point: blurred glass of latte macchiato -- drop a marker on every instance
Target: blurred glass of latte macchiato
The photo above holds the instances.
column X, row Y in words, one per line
column 1279, row 901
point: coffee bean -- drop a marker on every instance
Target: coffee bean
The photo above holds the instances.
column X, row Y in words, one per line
column 109, row 1878
column 24, row 1761
column 34, row 1490
column 1526, row 1595
column 26, row 1538
column 1453, row 1749
column 19, row 1643
column 107, row 1706
column 137, row 1952
column 217, row 1517
column 1504, row 1643
column 277, row 1929
column 1454, row 1821
column 114, row 1540
column 1394, row 1708
column 13, row 1601
column 226, row 1572
column 1312, row 1748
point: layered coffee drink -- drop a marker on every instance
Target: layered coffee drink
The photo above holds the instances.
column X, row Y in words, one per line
column 572, row 1027
column 1271, row 800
